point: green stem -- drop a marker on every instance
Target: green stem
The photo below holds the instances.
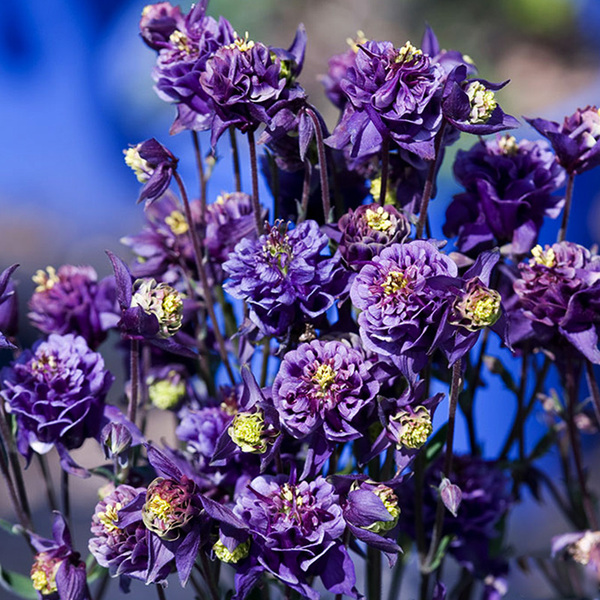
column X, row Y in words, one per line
column 24, row 519
column 562, row 232
column 50, row 491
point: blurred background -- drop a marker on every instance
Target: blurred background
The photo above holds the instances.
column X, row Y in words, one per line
column 75, row 89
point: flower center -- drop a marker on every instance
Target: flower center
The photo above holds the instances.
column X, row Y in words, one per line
column 394, row 282
column 547, row 257
column 161, row 300
column 134, row 161
column 357, row 41
column 45, row 279
column 109, row 517
column 243, row 44
column 483, row 102
column 44, row 364
column 407, row 53
column 247, row 431
column 43, row 573
column 379, row 219
column 324, row 377
column 415, row 427
column 177, row 222
column 180, row 41
column 223, row 553
column 166, row 393
column 390, row 502
column 508, row 145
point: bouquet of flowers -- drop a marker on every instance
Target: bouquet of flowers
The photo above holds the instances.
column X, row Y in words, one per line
column 305, row 343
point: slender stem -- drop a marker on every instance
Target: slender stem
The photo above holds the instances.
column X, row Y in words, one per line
column 237, row 177
column 325, row 196
column 396, row 581
column 373, row 562
column 103, row 586
column 134, row 361
column 305, row 190
column 429, row 183
column 50, row 491
column 520, row 420
column 254, row 170
column 264, row 370
column 201, row 175
column 593, row 387
column 160, row 590
column 385, row 167
column 455, row 388
column 571, row 390
column 208, row 299
column 562, row 232
column 66, row 500
column 207, row 573
column 23, row 517
column 13, row 458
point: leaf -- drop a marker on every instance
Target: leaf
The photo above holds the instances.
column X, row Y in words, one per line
column 440, row 552
column 17, row 584
column 543, row 445
column 496, row 366
column 436, row 443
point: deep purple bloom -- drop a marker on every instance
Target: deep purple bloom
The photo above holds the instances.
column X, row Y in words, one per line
column 56, row 394
column 324, row 387
column 559, row 294
column 249, row 82
column 509, row 188
column 295, row 531
column 58, row 573
column 123, row 550
column 153, row 165
column 577, row 141
column 403, row 298
column 8, row 308
column 72, row 300
column 368, row 230
column 284, row 277
column 394, row 93
column 184, row 43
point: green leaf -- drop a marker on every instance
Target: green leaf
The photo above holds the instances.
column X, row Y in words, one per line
column 441, row 552
column 496, row 366
column 435, row 444
column 17, row 584
column 543, row 445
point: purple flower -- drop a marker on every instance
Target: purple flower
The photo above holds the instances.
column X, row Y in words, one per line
column 284, row 277
column 403, row 297
column 122, row 550
column 577, row 141
column 56, row 394
column 324, row 387
column 71, row 300
column 582, row 546
column 8, row 308
column 153, row 166
column 296, row 531
column 393, row 94
column 509, row 189
column 58, row 573
column 559, row 294
column 184, row 43
column 249, row 82
column 368, row 230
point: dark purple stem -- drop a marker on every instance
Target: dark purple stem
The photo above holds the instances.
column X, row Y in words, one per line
column 593, row 387
column 201, row 176
column 562, row 232
column 385, row 167
column 134, row 362
column 235, row 155
column 254, row 170
column 322, row 164
column 305, row 191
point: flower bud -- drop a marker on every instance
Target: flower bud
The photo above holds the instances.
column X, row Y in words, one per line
column 413, row 427
column 477, row 307
column 451, row 495
column 160, row 300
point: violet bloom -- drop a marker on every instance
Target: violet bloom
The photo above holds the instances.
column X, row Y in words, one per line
column 582, row 546
column 394, row 93
column 58, row 573
column 403, row 296
column 72, row 300
column 250, row 82
column 56, row 394
column 153, row 165
column 8, row 308
column 368, row 230
column 296, row 531
column 122, row 550
column 509, row 188
column 284, row 277
column 324, row 387
column 184, row 43
column 577, row 141
column 559, row 294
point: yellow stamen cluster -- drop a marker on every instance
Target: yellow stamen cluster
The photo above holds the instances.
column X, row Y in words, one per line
column 134, row 161
column 45, row 363
column 414, row 428
column 508, row 145
column 43, row 573
column 177, row 222
column 543, row 257
column 180, row 41
column 324, row 377
column 357, row 41
column 390, row 502
column 378, row 219
column 375, row 190
column 166, row 393
column 483, row 102
column 394, row 282
column 159, row 507
column 227, row 556
column 243, row 44
column 246, row 431
column 110, row 516
column 407, row 53
column 45, row 279
column 583, row 548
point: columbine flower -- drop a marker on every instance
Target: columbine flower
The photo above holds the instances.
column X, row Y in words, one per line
column 477, row 307
column 8, row 308
column 56, row 394
column 582, row 546
column 162, row 301
column 249, row 432
column 167, row 388
column 509, row 189
column 577, row 141
column 402, row 305
column 121, row 549
column 58, row 573
column 412, row 427
column 559, row 294
column 153, row 166
column 284, row 277
column 368, row 230
column 393, row 93
column 324, row 386
column 71, row 300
